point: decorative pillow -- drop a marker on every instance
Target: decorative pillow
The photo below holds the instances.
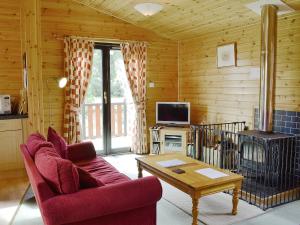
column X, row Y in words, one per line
column 36, row 136
column 60, row 173
column 86, row 180
column 58, row 141
column 35, row 142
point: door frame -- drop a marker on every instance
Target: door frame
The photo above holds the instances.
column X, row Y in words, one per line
column 106, row 98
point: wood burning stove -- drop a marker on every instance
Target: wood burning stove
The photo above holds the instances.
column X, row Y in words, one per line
column 267, row 157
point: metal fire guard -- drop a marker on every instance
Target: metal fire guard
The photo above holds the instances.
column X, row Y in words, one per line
column 267, row 161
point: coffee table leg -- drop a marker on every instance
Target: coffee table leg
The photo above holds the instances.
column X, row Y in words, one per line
column 140, row 170
column 195, row 211
column 235, row 200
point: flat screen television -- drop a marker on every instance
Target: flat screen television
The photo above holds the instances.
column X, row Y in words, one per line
column 172, row 112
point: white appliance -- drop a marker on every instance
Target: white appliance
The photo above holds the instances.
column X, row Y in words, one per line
column 5, row 105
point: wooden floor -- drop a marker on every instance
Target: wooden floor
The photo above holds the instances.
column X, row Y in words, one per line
column 12, row 190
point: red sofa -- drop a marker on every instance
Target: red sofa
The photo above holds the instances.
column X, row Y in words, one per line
column 120, row 201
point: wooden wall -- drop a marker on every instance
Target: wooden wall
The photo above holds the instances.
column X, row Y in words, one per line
column 216, row 95
column 230, row 94
column 31, row 44
column 10, row 48
column 18, row 34
column 64, row 17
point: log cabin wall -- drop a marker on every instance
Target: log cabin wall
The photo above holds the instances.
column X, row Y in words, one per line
column 10, row 48
column 225, row 94
column 31, row 45
column 64, row 17
column 231, row 94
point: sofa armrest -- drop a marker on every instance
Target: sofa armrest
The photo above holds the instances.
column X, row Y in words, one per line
column 80, row 151
column 96, row 202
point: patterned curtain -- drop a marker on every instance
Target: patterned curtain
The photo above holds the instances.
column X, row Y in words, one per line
column 135, row 57
column 78, row 55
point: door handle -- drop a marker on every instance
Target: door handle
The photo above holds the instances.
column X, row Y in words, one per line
column 105, row 97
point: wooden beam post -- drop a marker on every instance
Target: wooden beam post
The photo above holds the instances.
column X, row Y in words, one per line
column 31, row 45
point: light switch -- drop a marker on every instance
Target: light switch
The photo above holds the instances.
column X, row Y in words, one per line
column 151, row 85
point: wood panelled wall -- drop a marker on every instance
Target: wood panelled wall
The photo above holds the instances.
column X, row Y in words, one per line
column 10, row 48
column 31, row 44
column 65, row 17
column 231, row 94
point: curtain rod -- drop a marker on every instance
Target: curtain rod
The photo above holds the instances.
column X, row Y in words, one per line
column 103, row 40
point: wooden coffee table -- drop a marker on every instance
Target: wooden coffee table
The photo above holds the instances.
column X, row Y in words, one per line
column 191, row 182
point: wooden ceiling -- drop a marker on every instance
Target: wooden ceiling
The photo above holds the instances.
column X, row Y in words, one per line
column 183, row 19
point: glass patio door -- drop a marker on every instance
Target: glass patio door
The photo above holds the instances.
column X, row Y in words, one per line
column 108, row 108
column 121, row 104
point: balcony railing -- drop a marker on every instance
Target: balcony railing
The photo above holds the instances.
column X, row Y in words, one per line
column 92, row 124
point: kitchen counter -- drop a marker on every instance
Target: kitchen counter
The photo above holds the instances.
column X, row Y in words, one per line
column 12, row 117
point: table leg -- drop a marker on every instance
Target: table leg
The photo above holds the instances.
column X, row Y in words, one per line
column 195, row 211
column 140, row 170
column 235, row 200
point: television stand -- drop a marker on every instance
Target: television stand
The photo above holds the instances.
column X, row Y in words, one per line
column 166, row 139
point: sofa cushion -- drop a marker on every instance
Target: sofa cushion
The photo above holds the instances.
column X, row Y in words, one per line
column 103, row 171
column 35, row 142
column 81, row 151
column 59, row 173
column 86, row 180
column 58, row 141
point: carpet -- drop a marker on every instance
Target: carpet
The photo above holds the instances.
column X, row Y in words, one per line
column 174, row 208
column 213, row 209
column 28, row 212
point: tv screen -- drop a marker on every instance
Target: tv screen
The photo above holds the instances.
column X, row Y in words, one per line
column 173, row 112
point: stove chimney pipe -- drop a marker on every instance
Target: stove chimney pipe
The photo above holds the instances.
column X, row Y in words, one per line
column 267, row 66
